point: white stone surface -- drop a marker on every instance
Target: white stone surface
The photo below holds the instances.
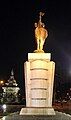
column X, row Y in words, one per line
column 42, row 56
column 27, row 82
column 39, row 79
column 37, row 111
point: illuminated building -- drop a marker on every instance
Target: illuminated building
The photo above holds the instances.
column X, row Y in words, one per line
column 10, row 90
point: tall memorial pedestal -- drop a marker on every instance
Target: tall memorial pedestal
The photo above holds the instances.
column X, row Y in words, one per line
column 39, row 76
column 39, row 79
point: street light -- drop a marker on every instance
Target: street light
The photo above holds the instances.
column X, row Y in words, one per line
column 1, row 82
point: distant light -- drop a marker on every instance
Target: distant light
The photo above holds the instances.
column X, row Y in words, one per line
column 4, row 107
column 1, row 82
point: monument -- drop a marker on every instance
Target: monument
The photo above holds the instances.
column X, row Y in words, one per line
column 39, row 76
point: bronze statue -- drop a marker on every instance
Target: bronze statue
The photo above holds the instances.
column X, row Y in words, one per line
column 40, row 34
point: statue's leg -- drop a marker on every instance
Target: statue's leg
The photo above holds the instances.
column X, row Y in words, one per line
column 37, row 44
column 41, row 45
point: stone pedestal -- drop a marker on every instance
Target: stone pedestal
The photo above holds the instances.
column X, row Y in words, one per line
column 39, row 79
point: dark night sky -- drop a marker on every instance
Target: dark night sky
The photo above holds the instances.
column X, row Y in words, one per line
column 17, row 35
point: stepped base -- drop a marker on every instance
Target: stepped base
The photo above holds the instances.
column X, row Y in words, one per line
column 37, row 111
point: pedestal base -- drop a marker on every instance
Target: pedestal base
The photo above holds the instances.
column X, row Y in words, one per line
column 37, row 111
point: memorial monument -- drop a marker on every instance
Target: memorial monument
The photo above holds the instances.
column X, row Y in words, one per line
column 39, row 76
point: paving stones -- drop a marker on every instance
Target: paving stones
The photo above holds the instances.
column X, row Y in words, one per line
column 58, row 116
